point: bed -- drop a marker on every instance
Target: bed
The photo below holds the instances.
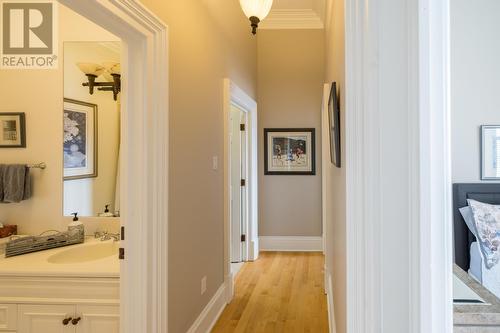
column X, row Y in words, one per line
column 468, row 257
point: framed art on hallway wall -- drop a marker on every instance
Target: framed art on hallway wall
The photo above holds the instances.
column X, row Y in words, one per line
column 334, row 125
column 289, row 151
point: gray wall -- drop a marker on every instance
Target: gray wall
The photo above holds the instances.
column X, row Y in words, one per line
column 335, row 192
column 209, row 40
column 475, row 75
column 290, row 86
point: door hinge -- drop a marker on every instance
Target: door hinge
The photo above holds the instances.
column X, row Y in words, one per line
column 243, row 238
column 122, row 233
column 242, row 127
column 121, row 253
column 243, row 182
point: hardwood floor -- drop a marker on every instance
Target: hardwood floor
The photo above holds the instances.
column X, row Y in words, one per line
column 280, row 292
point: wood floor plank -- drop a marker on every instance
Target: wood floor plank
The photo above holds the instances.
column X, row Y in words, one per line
column 280, row 292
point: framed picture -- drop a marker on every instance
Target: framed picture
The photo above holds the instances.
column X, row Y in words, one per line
column 80, row 139
column 490, row 152
column 289, row 151
column 12, row 130
column 334, row 125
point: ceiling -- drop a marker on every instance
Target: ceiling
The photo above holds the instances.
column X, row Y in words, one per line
column 296, row 14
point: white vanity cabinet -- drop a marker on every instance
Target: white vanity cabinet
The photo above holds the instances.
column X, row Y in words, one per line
column 48, row 318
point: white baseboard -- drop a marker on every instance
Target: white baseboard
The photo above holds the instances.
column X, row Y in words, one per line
column 291, row 243
column 208, row 317
column 329, row 299
column 254, row 250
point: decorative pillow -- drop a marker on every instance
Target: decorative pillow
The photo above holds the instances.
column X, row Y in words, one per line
column 487, row 223
column 469, row 219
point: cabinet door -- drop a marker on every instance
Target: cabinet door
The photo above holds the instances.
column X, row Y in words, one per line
column 8, row 317
column 98, row 319
column 45, row 318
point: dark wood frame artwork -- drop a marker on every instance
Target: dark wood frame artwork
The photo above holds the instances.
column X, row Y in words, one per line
column 291, row 173
column 22, row 123
column 334, row 125
column 463, row 238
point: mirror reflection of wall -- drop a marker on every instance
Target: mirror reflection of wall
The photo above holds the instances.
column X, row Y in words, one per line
column 91, row 139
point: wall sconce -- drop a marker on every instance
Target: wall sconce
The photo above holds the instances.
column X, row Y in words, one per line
column 256, row 11
column 109, row 70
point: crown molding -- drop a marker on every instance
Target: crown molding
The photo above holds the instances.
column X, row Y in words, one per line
column 292, row 19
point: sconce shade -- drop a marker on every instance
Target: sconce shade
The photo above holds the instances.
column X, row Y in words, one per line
column 257, row 8
column 112, row 67
column 90, row 69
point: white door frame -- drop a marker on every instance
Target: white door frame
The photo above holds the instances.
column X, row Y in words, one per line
column 144, row 158
column 397, row 63
column 233, row 95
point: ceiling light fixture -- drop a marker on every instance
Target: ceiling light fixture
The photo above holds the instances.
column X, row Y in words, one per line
column 109, row 70
column 256, row 11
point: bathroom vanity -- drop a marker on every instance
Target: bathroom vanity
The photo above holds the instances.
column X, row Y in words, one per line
column 73, row 289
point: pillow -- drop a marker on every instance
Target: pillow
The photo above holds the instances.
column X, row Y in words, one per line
column 487, row 223
column 469, row 219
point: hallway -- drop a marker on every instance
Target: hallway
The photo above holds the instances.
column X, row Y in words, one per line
column 280, row 292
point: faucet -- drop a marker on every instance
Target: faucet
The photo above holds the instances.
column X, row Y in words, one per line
column 104, row 236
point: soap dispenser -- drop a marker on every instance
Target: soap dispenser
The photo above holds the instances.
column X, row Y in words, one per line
column 106, row 212
column 76, row 229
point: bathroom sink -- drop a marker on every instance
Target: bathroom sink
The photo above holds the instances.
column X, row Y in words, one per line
column 85, row 253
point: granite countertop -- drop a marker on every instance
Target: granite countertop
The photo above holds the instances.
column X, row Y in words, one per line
column 476, row 315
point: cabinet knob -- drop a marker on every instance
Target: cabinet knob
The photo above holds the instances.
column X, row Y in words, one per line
column 66, row 321
column 76, row 320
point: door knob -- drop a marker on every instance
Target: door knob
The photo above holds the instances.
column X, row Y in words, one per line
column 76, row 320
column 66, row 321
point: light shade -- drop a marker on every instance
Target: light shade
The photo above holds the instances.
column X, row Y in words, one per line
column 91, row 69
column 112, row 67
column 256, row 8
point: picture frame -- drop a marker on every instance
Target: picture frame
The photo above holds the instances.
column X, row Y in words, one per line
column 490, row 152
column 289, row 151
column 334, row 126
column 12, row 130
column 80, row 153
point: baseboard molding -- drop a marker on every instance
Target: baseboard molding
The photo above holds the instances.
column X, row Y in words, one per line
column 329, row 300
column 254, row 250
column 208, row 317
column 291, row 243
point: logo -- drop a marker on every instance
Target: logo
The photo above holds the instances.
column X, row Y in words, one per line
column 29, row 34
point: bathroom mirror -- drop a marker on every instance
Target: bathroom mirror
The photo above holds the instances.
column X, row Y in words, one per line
column 490, row 152
column 91, row 134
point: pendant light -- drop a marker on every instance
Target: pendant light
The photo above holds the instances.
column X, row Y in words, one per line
column 256, row 11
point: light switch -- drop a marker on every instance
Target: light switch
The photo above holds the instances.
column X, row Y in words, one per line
column 215, row 162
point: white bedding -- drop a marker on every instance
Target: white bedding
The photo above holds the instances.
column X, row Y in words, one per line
column 489, row 278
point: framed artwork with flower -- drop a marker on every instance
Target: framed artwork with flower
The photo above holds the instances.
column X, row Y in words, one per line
column 80, row 139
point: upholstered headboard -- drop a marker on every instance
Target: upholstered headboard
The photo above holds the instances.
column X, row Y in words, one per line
column 463, row 238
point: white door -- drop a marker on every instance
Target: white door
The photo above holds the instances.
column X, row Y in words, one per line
column 237, row 137
column 46, row 319
column 98, row 319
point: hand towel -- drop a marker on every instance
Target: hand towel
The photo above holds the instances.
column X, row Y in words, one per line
column 15, row 185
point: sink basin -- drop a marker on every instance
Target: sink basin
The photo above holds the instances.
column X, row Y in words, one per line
column 85, row 253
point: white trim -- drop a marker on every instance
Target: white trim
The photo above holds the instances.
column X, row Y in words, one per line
column 432, row 255
column 291, row 243
column 208, row 317
column 144, row 158
column 232, row 94
column 292, row 19
column 329, row 300
column 417, row 42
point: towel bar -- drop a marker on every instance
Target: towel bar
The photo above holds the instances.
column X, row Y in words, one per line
column 37, row 166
